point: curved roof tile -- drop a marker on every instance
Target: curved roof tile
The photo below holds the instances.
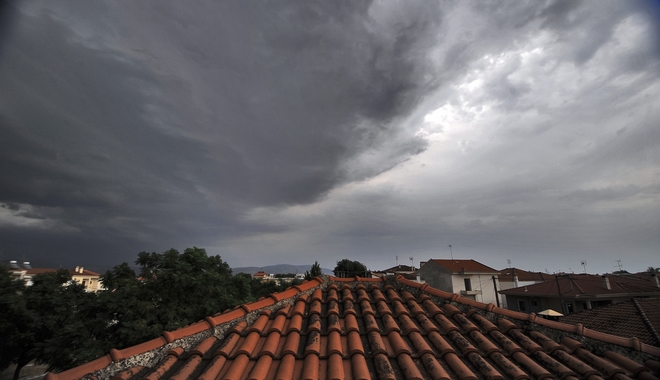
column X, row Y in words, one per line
column 398, row 328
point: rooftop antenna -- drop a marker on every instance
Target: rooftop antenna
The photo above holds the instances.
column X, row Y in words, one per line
column 397, row 260
column 451, row 253
column 584, row 265
column 619, row 264
column 412, row 263
column 508, row 261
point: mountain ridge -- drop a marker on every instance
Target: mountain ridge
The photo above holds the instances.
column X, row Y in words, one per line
column 278, row 269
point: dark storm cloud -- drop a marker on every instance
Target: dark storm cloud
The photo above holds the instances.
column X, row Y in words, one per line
column 262, row 105
column 296, row 90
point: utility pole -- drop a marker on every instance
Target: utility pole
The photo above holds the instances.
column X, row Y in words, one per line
column 497, row 296
column 561, row 301
column 451, row 253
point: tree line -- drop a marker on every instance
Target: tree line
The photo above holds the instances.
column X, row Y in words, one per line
column 56, row 322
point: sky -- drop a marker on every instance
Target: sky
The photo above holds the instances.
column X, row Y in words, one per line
column 521, row 133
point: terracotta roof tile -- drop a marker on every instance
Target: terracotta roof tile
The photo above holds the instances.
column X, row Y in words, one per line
column 395, row 329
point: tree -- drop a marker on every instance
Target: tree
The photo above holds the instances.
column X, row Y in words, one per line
column 314, row 272
column 174, row 290
column 348, row 268
column 14, row 322
column 653, row 270
column 46, row 322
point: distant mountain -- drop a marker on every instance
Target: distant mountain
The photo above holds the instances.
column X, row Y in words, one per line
column 278, row 269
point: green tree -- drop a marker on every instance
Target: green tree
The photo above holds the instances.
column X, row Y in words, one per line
column 315, row 271
column 348, row 268
column 14, row 323
column 173, row 290
column 47, row 322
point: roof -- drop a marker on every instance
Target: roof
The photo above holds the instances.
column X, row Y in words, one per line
column 506, row 275
column 585, row 285
column 639, row 317
column 260, row 274
column 398, row 268
column 361, row 328
column 36, row 271
column 463, row 266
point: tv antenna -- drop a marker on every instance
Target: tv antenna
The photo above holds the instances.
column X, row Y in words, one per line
column 618, row 262
column 584, row 265
column 508, row 261
column 451, row 253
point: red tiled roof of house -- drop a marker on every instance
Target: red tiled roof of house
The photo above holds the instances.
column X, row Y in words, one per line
column 463, row 266
column 376, row 329
column 35, row 271
column 260, row 274
column 506, row 275
column 639, row 317
column 574, row 285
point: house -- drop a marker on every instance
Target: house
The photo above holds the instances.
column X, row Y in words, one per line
column 90, row 280
column 570, row 293
column 406, row 271
column 261, row 275
column 367, row 328
column 469, row 278
column 638, row 317
column 510, row 278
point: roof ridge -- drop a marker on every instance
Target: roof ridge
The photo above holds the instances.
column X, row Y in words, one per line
column 646, row 321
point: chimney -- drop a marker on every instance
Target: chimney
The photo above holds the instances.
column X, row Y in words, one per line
column 81, row 269
column 515, row 280
column 656, row 282
column 606, row 282
column 77, row 269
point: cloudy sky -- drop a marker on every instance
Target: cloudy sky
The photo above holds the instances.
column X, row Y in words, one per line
column 275, row 132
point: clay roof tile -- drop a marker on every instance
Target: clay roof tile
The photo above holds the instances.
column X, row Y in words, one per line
column 354, row 343
column 291, row 344
column 295, row 323
column 333, row 323
column 365, row 307
column 333, row 308
column 334, row 343
column 392, row 334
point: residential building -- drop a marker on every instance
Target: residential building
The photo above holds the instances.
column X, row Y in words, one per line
column 407, row 271
column 261, row 275
column 367, row 328
column 469, row 278
column 570, row 293
column 90, row 280
column 510, row 278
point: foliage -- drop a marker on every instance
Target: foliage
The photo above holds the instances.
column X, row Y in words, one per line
column 173, row 290
column 653, row 270
column 348, row 268
column 285, row 275
column 315, row 271
column 47, row 322
column 55, row 321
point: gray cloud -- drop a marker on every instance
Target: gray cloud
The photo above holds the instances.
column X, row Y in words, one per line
column 276, row 131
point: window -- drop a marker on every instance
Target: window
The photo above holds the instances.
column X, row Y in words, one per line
column 521, row 305
column 534, row 303
column 468, row 284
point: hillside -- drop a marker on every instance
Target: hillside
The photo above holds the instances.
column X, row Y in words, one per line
column 279, row 268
